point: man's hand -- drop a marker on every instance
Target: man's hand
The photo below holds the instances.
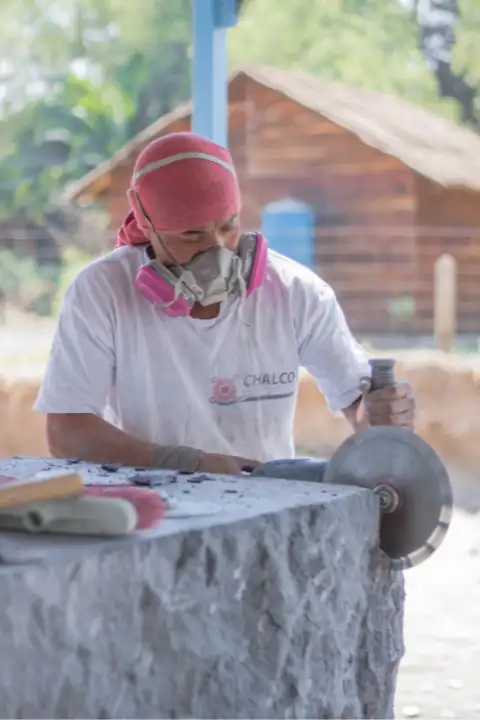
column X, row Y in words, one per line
column 225, row 464
column 392, row 405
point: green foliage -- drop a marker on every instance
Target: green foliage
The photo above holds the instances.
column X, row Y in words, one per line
column 60, row 138
column 73, row 261
column 38, row 288
column 24, row 284
column 466, row 52
column 40, row 38
column 79, row 79
column 370, row 43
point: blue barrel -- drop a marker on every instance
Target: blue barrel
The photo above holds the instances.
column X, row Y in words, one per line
column 289, row 226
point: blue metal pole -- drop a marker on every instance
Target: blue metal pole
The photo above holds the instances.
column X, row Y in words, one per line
column 211, row 18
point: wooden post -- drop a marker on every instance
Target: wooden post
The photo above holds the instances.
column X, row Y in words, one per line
column 445, row 302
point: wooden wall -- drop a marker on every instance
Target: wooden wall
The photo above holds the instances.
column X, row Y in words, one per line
column 365, row 201
column 449, row 222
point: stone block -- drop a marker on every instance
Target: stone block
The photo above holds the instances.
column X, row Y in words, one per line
column 277, row 604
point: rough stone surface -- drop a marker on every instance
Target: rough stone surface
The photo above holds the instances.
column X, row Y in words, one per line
column 277, row 606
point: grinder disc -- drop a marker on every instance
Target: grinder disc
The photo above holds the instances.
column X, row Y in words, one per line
column 398, row 457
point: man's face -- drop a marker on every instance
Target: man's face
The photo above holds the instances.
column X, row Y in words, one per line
column 182, row 246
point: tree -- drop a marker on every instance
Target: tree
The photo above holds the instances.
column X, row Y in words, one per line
column 466, row 51
column 370, row 43
column 76, row 87
column 95, row 39
column 445, row 30
column 59, row 138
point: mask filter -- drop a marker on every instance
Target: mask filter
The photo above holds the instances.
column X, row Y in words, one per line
column 210, row 276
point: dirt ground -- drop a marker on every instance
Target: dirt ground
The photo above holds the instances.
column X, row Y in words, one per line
column 439, row 676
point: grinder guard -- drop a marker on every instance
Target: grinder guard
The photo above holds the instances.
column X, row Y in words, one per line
column 400, row 459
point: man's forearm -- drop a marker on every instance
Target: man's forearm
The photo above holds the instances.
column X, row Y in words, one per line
column 90, row 438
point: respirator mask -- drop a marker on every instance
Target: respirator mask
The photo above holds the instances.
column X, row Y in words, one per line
column 211, row 276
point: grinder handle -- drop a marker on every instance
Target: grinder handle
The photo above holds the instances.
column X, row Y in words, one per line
column 383, row 373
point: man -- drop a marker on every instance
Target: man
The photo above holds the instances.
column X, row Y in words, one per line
column 182, row 347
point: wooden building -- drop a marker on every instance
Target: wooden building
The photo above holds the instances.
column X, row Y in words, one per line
column 392, row 186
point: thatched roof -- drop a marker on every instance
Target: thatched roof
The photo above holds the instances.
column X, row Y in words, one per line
column 431, row 146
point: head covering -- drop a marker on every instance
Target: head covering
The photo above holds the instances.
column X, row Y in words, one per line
column 182, row 181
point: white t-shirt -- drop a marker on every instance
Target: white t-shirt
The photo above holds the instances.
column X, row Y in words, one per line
column 227, row 385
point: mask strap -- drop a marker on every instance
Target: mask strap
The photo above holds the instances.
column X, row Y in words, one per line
column 239, row 277
column 153, row 230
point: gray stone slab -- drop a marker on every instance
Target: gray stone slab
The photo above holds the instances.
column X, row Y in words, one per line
column 278, row 605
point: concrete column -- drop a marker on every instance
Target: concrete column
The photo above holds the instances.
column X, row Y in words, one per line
column 211, row 18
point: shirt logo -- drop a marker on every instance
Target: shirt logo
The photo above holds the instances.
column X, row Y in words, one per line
column 253, row 387
column 224, row 391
